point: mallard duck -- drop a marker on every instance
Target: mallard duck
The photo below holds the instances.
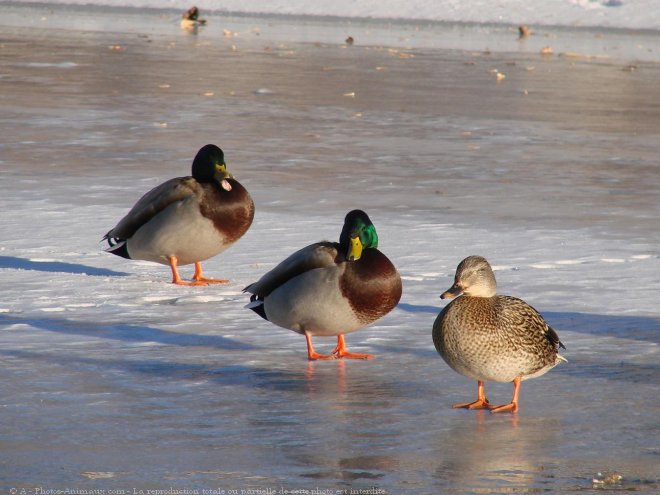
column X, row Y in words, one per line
column 186, row 219
column 488, row 337
column 190, row 19
column 330, row 288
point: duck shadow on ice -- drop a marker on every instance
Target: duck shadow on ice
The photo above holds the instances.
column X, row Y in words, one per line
column 419, row 308
column 305, row 377
column 332, row 381
column 57, row 267
column 233, row 374
column 125, row 332
column 642, row 328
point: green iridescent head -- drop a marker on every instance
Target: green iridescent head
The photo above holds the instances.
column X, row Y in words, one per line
column 209, row 165
column 357, row 235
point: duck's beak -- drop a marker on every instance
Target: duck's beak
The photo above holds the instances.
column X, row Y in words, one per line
column 355, row 249
column 453, row 291
column 221, row 172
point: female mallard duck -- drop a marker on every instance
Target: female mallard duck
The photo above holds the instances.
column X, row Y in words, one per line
column 190, row 19
column 186, row 219
column 489, row 337
column 330, row 288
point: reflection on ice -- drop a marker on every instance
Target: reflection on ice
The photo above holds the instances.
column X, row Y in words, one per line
column 498, row 456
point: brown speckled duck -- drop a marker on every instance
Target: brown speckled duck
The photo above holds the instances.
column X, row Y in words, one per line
column 488, row 337
column 186, row 219
column 190, row 20
column 330, row 288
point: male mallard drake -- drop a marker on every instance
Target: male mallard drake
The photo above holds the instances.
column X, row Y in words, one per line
column 186, row 219
column 330, row 288
column 489, row 337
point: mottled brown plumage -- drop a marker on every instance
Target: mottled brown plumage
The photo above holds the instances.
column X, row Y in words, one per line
column 488, row 337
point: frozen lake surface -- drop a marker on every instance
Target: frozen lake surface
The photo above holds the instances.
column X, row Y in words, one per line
column 628, row 14
column 114, row 379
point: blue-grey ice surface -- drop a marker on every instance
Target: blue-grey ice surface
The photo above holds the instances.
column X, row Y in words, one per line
column 114, row 379
column 627, row 14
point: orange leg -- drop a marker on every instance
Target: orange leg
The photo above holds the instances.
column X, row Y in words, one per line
column 199, row 277
column 312, row 355
column 176, row 278
column 480, row 403
column 341, row 352
column 513, row 405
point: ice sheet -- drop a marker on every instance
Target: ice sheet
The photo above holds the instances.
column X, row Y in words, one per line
column 113, row 379
column 630, row 14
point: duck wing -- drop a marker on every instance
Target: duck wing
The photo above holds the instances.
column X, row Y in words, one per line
column 554, row 338
column 149, row 205
column 518, row 314
column 318, row 255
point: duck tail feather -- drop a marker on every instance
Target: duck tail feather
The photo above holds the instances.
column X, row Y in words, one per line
column 118, row 248
column 257, row 305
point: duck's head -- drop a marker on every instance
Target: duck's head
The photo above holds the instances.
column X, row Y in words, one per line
column 191, row 14
column 357, row 235
column 474, row 277
column 209, row 166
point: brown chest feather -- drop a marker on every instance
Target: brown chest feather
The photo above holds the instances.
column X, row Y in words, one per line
column 372, row 285
column 231, row 212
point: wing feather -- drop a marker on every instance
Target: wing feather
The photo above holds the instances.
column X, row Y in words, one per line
column 152, row 203
column 316, row 255
column 520, row 313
